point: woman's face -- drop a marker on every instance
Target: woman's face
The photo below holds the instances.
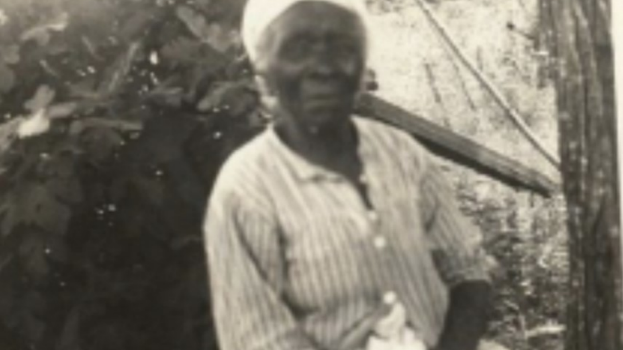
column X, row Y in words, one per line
column 312, row 60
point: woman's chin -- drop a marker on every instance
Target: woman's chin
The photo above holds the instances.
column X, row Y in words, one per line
column 326, row 126
column 327, row 115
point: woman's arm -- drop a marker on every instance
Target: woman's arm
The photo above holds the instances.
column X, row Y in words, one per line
column 466, row 321
column 461, row 262
column 247, row 277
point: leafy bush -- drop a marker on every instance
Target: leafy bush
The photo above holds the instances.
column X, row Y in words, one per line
column 526, row 236
column 117, row 116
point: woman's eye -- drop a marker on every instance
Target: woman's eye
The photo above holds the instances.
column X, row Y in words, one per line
column 297, row 48
column 347, row 48
column 344, row 46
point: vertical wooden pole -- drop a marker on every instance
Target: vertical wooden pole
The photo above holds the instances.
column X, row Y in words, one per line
column 617, row 20
column 587, row 116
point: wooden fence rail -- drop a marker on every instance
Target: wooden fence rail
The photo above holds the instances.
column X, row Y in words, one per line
column 460, row 149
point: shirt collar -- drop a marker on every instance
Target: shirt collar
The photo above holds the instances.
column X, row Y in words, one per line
column 308, row 171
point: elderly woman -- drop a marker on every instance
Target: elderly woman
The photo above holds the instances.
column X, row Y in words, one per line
column 329, row 231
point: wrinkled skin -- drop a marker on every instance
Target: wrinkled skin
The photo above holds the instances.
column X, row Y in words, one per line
column 311, row 64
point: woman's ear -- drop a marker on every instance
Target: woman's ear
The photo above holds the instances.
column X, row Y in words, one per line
column 368, row 81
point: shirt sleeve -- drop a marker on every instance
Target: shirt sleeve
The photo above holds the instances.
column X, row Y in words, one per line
column 247, row 277
column 455, row 243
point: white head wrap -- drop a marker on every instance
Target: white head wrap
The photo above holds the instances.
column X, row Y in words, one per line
column 259, row 14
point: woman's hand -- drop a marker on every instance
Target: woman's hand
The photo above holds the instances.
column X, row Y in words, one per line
column 357, row 337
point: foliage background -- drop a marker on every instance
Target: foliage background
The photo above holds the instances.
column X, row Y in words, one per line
column 524, row 232
column 116, row 115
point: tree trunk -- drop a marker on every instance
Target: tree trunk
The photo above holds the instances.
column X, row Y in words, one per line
column 581, row 42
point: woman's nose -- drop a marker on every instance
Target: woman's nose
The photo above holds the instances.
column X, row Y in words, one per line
column 323, row 60
column 324, row 64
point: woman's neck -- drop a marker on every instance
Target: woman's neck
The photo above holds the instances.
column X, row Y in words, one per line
column 326, row 146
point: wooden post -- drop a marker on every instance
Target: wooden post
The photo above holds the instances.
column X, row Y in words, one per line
column 617, row 20
column 586, row 100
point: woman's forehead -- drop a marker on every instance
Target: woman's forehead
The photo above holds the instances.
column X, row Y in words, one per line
column 310, row 17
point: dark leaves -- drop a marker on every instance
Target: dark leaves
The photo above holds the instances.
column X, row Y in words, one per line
column 100, row 143
column 235, row 97
column 41, row 99
column 98, row 213
column 7, row 78
column 67, row 190
column 116, row 74
column 8, row 134
column 70, row 334
column 34, row 205
column 183, row 51
column 188, row 52
column 136, row 24
column 42, row 32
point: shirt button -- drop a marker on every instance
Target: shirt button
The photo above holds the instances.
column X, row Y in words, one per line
column 373, row 216
column 390, row 298
column 380, row 242
column 363, row 179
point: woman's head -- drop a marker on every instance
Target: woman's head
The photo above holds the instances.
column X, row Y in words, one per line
column 309, row 58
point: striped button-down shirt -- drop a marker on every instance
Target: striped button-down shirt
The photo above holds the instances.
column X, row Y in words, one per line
column 297, row 259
